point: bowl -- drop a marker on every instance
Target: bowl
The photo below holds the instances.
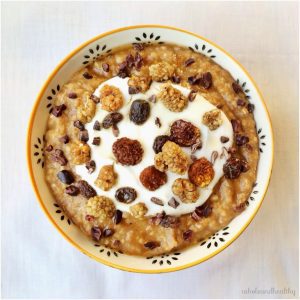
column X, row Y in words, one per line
column 87, row 53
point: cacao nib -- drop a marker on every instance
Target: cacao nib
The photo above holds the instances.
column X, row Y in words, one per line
column 224, row 139
column 241, row 139
column 176, row 79
column 107, row 232
column 169, row 222
column 236, row 87
column 78, row 124
column 58, row 110
column 65, row 139
column 72, row 190
column 95, row 99
column 96, row 141
column 157, row 122
column 72, row 95
column 151, row 245
column 189, row 61
column 133, row 90
column 241, row 102
column 59, row 157
column 138, row 61
column 192, row 95
column 173, row 202
column 187, row 235
column 111, row 119
column 152, row 99
column 91, row 166
column 65, row 177
column 83, row 136
column 202, row 211
column 97, row 126
column 138, row 46
column 85, row 189
column 105, row 67
column 236, row 125
column 117, row 218
column 49, row 148
column 206, row 80
column 250, row 107
column 157, row 201
column 157, row 218
column 86, row 75
column 96, row 233
column 232, row 168
column 115, row 130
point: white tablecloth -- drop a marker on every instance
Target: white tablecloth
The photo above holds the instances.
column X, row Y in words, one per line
column 37, row 261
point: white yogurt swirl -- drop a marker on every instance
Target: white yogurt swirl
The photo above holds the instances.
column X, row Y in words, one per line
column 145, row 134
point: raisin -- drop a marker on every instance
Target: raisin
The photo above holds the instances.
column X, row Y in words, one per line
column 204, row 80
column 72, row 190
column 65, row 176
column 127, row 152
column 105, row 67
column 139, row 111
column 85, row 189
column 250, row 107
column 187, row 235
column 236, row 125
column 112, row 119
column 189, row 61
column 240, row 102
column 126, row 195
column 108, row 232
column 169, row 222
column 152, row 179
column 87, row 75
column 184, row 133
column 72, row 95
column 236, row 87
column 159, row 142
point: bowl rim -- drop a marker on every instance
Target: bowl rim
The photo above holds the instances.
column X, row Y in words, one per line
column 29, row 161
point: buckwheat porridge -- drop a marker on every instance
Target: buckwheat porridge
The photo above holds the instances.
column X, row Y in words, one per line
column 151, row 149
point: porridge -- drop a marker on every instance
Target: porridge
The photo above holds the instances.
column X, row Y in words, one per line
column 151, row 149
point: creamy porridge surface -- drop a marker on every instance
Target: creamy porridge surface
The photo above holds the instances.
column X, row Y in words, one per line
column 151, row 149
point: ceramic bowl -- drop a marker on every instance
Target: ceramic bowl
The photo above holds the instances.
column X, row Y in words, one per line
column 87, row 53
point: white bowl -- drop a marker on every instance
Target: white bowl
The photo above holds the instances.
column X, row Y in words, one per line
column 88, row 52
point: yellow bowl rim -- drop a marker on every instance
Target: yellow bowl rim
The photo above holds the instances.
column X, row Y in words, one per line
column 30, row 169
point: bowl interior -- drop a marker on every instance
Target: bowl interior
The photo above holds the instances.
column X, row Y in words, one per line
column 84, row 55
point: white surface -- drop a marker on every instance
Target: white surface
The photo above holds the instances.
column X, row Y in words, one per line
column 129, row 175
column 37, row 261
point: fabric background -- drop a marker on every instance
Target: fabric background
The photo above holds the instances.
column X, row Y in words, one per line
column 37, row 261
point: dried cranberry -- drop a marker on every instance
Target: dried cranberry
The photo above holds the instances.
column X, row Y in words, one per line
column 139, row 111
column 159, row 142
column 126, row 194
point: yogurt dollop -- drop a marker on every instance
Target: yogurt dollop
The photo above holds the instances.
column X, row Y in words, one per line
column 145, row 134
